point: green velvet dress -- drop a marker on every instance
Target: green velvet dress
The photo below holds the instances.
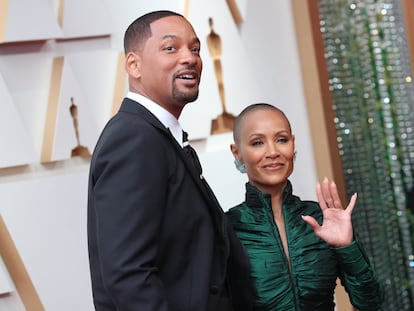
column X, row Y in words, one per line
column 309, row 283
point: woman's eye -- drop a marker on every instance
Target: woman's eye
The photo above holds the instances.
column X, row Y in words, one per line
column 257, row 143
column 282, row 140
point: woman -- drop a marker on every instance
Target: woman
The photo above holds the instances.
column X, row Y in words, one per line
column 297, row 248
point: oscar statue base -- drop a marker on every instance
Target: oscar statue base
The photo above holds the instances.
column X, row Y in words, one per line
column 80, row 151
column 222, row 124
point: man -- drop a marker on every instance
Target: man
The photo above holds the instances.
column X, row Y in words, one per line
column 158, row 240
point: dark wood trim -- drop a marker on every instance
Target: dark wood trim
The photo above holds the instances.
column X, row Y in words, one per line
column 318, row 97
column 408, row 11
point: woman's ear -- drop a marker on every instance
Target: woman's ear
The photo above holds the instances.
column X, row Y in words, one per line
column 295, row 152
column 235, row 151
column 238, row 161
column 132, row 65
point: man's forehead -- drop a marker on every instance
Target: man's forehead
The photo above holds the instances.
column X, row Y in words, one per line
column 167, row 21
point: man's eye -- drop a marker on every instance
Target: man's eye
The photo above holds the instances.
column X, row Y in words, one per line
column 169, row 48
column 196, row 50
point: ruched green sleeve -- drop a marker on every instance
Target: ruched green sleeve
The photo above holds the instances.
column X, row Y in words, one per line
column 358, row 277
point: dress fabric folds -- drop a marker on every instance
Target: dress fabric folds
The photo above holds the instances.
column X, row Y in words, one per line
column 308, row 280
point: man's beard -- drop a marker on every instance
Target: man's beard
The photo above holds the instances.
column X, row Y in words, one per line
column 185, row 97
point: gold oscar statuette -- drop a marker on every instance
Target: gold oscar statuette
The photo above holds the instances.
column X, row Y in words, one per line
column 79, row 150
column 224, row 122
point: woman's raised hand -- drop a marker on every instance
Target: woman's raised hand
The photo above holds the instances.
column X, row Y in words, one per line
column 336, row 228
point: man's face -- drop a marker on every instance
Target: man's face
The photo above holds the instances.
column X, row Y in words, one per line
column 170, row 66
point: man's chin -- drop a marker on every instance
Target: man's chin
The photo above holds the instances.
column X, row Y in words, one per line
column 187, row 97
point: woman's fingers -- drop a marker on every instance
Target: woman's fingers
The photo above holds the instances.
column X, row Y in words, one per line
column 312, row 222
column 336, row 201
column 324, row 194
column 328, row 197
column 352, row 203
column 319, row 195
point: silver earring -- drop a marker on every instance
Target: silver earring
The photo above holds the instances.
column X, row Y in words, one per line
column 294, row 155
column 240, row 166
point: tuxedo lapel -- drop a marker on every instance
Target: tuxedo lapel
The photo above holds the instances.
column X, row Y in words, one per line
column 215, row 208
column 130, row 106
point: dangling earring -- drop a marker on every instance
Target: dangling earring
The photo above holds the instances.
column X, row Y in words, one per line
column 294, row 155
column 240, row 166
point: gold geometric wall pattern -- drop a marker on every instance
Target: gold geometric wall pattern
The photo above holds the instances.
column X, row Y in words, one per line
column 16, row 15
column 224, row 121
column 121, row 85
column 17, row 149
column 228, row 82
column 4, row 9
column 75, row 19
column 235, row 11
column 17, row 271
column 45, row 218
column 92, row 81
column 65, row 131
column 69, row 21
column 101, row 70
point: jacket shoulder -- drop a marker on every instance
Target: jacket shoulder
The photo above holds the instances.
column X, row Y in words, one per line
column 234, row 212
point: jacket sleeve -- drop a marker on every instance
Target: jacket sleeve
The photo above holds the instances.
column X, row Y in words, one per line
column 129, row 196
column 241, row 286
column 359, row 278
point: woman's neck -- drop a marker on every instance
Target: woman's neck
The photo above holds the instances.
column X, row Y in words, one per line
column 277, row 199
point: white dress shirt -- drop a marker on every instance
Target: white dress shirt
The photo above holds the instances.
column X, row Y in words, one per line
column 165, row 117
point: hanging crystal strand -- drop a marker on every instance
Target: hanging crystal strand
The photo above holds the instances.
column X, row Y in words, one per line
column 342, row 57
column 364, row 43
column 403, row 88
column 394, row 106
column 382, row 195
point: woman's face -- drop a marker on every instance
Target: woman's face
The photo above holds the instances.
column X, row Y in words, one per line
column 266, row 147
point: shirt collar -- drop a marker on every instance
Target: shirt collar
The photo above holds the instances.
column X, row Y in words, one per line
column 165, row 117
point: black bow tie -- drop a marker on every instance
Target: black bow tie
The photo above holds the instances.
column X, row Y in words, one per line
column 191, row 153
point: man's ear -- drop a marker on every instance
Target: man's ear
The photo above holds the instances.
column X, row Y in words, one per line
column 132, row 64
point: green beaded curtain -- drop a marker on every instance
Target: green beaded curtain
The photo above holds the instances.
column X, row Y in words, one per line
column 373, row 97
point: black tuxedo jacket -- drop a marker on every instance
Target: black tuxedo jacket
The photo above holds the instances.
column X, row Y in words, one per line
column 157, row 237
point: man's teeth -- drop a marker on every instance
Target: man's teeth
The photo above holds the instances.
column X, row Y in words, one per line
column 187, row 77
